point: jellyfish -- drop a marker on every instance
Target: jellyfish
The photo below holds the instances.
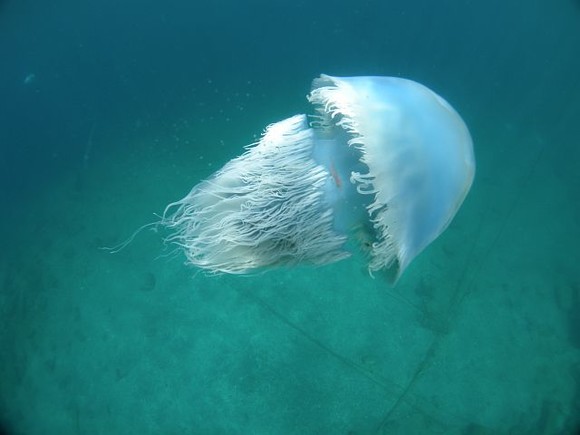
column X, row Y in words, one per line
column 381, row 166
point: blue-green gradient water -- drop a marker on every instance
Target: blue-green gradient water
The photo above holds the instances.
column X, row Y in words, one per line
column 110, row 110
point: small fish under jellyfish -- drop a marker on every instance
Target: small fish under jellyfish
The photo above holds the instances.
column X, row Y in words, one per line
column 384, row 163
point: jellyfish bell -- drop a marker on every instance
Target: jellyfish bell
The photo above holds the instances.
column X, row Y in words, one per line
column 384, row 163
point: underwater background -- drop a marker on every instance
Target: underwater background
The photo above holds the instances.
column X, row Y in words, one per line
column 110, row 110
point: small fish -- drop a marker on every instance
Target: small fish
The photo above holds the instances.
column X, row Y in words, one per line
column 30, row 78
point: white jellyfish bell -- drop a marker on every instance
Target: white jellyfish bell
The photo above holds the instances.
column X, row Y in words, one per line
column 384, row 163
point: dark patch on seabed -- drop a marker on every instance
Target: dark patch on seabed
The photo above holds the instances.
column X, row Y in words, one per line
column 568, row 301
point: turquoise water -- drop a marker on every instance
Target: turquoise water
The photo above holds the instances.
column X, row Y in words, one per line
column 109, row 112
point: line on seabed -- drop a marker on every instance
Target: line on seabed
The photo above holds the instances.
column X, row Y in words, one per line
column 375, row 379
column 390, row 387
